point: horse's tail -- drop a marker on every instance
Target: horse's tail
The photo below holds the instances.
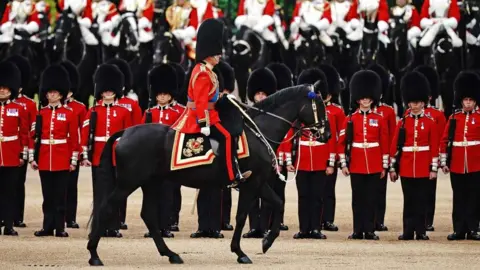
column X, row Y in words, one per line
column 105, row 176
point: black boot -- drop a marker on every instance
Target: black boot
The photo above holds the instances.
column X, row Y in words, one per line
column 200, row 234
column 73, row 225
column 215, row 234
column 61, row 233
column 123, row 226
column 301, row 235
column 430, row 228
column 42, row 233
column 10, row 232
column 406, row 237
column 329, row 226
column 254, row 233
column 227, row 227
column 317, row 234
column 19, row 224
column 239, row 176
column 456, row 236
column 283, row 227
column 371, row 236
column 473, row 236
column 422, row 237
column 381, row 228
column 167, row 234
column 356, row 236
column 174, row 227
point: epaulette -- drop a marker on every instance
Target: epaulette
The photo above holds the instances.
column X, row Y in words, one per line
column 377, row 114
column 120, row 105
column 68, row 108
column 429, row 117
column 16, row 102
column 386, row 105
column 26, row 97
column 78, row 102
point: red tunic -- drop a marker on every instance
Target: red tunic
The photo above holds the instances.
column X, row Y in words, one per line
column 268, row 10
column 369, row 152
column 382, row 12
column 420, row 151
column 32, row 17
column 13, row 134
column 79, row 109
column 453, row 11
column 59, row 145
column 110, row 119
column 325, row 15
column 466, row 143
column 133, row 107
column 194, row 19
column 87, row 11
column 203, row 92
column 437, row 115
column 388, row 114
column 166, row 115
column 30, row 106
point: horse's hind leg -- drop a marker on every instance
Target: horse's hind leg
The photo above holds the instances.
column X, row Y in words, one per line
column 271, row 197
column 150, row 216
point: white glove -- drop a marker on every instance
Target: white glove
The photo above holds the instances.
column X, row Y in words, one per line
column 450, row 22
column 425, row 22
column 105, row 27
column 85, row 22
column 259, row 28
column 144, row 23
column 205, row 131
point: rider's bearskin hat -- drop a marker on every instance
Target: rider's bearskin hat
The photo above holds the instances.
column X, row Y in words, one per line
column 228, row 75
column 414, row 87
column 261, row 80
column 333, row 78
column 209, row 39
column 162, row 79
column 24, row 66
column 365, row 84
column 315, row 77
column 466, row 86
column 384, row 77
column 283, row 75
column 108, row 78
column 125, row 69
column 432, row 76
column 10, row 77
column 73, row 75
column 55, row 77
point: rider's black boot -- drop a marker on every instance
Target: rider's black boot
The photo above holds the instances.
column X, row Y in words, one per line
column 239, row 176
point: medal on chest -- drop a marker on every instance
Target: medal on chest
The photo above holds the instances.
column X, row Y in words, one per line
column 373, row 123
column 473, row 121
column 12, row 112
column 422, row 127
column 61, row 117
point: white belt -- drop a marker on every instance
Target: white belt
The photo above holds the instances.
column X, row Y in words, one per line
column 365, row 145
column 311, row 143
column 415, row 148
column 101, row 139
column 466, row 143
column 52, row 141
column 8, row 138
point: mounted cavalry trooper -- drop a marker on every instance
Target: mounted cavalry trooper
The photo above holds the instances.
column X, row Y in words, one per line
column 83, row 10
column 461, row 140
column 311, row 13
column 414, row 155
column 339, row 12
column 143, row 11
column 369, row 11
column 177, row 16
column 43, row 10
column 107, row 17
column 109, row 118
column 410, row 16
column 56, row 148
column 13, row 142
column 200, row 115
column 19, row 15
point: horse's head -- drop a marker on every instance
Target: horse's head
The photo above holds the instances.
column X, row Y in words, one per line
column 65, row 24
column 312, row 48
column 370, row 44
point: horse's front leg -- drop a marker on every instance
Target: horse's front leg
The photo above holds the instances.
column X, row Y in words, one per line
column 276, row 203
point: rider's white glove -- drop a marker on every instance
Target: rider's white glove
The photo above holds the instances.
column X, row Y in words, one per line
column 205, row 131
column 259, row 28
column 450, row 23
column 85, row 22
column 105, row 27
column 425, row 23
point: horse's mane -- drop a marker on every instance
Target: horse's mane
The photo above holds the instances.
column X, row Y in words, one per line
column 282, row 96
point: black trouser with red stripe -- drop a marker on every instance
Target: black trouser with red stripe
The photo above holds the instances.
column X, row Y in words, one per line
column 8, row 179
column 431, row 200
column 363, row 201
column 209, row 209
column 72, row 196
column 414, row 202
column 54, row 190
column 20, row 193
column 227, row 147
column 329, row 199
column 381, row 201
column 310, row 187
column 466, row 188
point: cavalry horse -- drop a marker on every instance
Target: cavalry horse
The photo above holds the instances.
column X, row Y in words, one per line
column 147, row 165
column 311, row 51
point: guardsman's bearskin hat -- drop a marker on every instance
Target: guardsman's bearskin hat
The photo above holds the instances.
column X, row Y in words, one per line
column 333, row 78
column 414, row 87
column 108, row 78
column 54, row 77
column 125, row 69
column 24, row 66
column 162, row 79
column 10, row 77
column 209, row 39
column 180, row 71
column 466, row 86
column 365, row 84
column 315, row 77
column 283, row 75
column 73, row 75
column 433, row 79
column 384, row 77
column 228, row 76
column 261, row 80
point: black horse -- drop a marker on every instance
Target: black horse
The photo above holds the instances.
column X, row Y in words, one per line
column 369, row 50
column 147, row 165
column 311, row 51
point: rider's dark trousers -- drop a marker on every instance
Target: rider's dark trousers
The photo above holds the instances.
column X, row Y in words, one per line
column 363, row 201
column 310, row 188
column 466, row 188
column 209, row 209
column 20, row 193
column 8, row 176
column 431, row 199
column 72, row 196
column 228, row 149
column 381, row 201
column 226, row 205
column 54, row 190
column 329, row 199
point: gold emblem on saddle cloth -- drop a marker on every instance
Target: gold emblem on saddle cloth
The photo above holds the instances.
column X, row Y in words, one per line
column 193, row 147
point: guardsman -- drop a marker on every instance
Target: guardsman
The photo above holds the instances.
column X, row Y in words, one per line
column 363, row 151
column 335, row 110
column 79, row 110
column 177, row 16
column 83, row 10
column 14, row 128
column 107, row 17
column 459, row 155
column 363, row 11
column 19, row 15
column 414, row 155
column 260, row 85
column 439, row 117
column 144, row 11
column 388, row 114
column 311, row 13
column 163, row 87
column 315, row 161
column 56, row 140
column 109, row 118
column 438, row 15
column 284, row 78
column 31, row 107
column 257, row 15
column 409, row 14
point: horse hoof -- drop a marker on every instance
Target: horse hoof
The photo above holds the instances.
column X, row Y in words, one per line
column 266, row 245
column 175, row 259
column 95, row 262
column 244, row 260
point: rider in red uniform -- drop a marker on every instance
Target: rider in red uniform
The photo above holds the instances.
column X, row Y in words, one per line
column 203, row 92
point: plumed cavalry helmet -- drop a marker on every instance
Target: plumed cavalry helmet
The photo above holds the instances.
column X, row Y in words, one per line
column 414, row 87
column 432, row 76
column 315, row 77
column 24, row 66
column 209, row 39
column 162, row 79
column 466, row 86
column 127, row 72
column 365, row 84
column 10, row 77
column 108, row 78
column 54, row 77
column 72, row 75
column 228, row 76
column 261, row 80
column 283, row 75
column 385, row 78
